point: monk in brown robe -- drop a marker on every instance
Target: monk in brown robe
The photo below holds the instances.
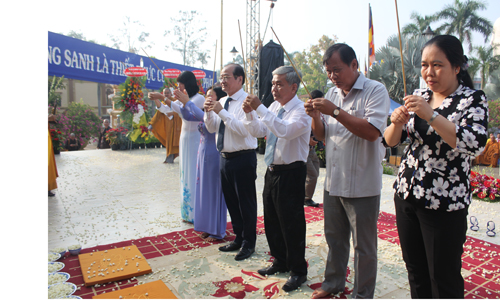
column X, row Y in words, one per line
column 490, row 153
column 167, row 129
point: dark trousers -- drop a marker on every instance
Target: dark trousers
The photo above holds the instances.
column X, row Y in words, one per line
column 238, row 175
column 284, row 218
column 432, row 245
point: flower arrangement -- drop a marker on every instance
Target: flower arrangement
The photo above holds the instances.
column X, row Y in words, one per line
column 116, row 136
column 261, row 142
column 132, row 96
column 485, row 187
column 57, row 139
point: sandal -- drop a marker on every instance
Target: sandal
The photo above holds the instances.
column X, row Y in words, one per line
column 490, row 229
column 474, row 223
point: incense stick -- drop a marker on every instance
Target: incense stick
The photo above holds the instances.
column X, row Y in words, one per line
column 242, row 52
column 215, row 59
column 401, row 48
column 291, row 62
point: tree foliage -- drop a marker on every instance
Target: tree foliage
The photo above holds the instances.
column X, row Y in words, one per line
column 131, row 37
column 190, row 34
column 419, row 24
column 80, row 119
column 55, row 83
column 461, row 19
column 492, row 89
column 494, row 113
column 388, row 70
column 310, row 64
column 486, row 62
column 80, row 36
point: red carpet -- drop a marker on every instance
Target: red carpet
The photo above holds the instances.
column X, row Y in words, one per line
column 480, row 258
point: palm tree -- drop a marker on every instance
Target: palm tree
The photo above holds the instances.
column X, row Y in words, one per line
column 388, row 70
column 420, row 24
column 487, row 62
column 461, row 19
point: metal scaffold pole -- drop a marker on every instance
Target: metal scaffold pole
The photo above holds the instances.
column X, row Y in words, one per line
column 253, row 46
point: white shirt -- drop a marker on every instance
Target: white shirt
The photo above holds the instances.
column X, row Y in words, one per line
column 236, row 136
column 176, row 106
column 292, row 130
column 353, row 164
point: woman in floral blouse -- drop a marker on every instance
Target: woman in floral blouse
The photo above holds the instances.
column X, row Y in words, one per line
column 446, row 125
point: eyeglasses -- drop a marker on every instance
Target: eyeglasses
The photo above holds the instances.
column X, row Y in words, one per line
column 225, row 78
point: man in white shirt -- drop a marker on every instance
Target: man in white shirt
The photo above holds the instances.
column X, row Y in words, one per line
column 238, row 163
column 355, row 112
column 287, row 127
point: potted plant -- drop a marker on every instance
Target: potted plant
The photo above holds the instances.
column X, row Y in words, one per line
column 261, row 142
column 57, row 140
column 320, row 152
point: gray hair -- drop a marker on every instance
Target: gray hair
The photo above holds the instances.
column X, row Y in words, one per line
column 291, row 76
column 72, row 134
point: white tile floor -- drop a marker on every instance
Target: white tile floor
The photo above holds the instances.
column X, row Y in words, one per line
column 107, row 196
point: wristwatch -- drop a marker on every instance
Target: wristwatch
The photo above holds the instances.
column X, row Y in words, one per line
column 434, row 115
column 336, row 112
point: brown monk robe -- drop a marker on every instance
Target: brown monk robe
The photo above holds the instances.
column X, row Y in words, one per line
column 490, row 153
column 167, row 131
column 52, row 163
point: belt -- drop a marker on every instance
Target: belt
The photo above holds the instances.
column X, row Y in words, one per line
column 294, row 165
column 236, row 153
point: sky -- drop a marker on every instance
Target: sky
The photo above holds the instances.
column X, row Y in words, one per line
column 298, row 24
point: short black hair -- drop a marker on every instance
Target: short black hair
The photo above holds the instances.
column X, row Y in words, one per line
column 218, row 91
column 317, row 94
column 237, row 71
column 347, row 54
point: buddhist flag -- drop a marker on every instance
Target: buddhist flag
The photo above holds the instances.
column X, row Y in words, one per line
column 371, row 45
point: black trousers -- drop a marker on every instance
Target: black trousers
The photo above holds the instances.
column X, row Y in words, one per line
column 238, row 175
column 284, row 218
column 432, row 245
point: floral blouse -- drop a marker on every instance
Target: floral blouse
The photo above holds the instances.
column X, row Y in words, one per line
column 432, row 174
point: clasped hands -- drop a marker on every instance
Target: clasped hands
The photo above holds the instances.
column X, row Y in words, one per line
column 413, row 103
column 250, row 103
column 181, row 96
column 316, row 107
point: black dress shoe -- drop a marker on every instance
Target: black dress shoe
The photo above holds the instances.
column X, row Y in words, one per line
column 51, row 194
column 272, row 269
column 294, row 282
column 230, row 247
column 310, row 202
column 244, row 253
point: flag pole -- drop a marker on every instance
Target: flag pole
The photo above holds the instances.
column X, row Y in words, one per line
column 369, row 32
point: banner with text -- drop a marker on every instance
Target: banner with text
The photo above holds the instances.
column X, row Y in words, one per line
column 83, row 60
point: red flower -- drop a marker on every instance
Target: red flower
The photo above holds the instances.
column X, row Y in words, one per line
column 56, row 139
column 481, row 195
column 487, row 184
column 234, row 288
column 492, row 196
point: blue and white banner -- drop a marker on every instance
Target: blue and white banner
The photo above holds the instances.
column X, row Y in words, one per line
column 77, row 59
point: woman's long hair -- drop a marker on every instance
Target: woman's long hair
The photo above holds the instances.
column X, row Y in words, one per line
column 189, row 80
